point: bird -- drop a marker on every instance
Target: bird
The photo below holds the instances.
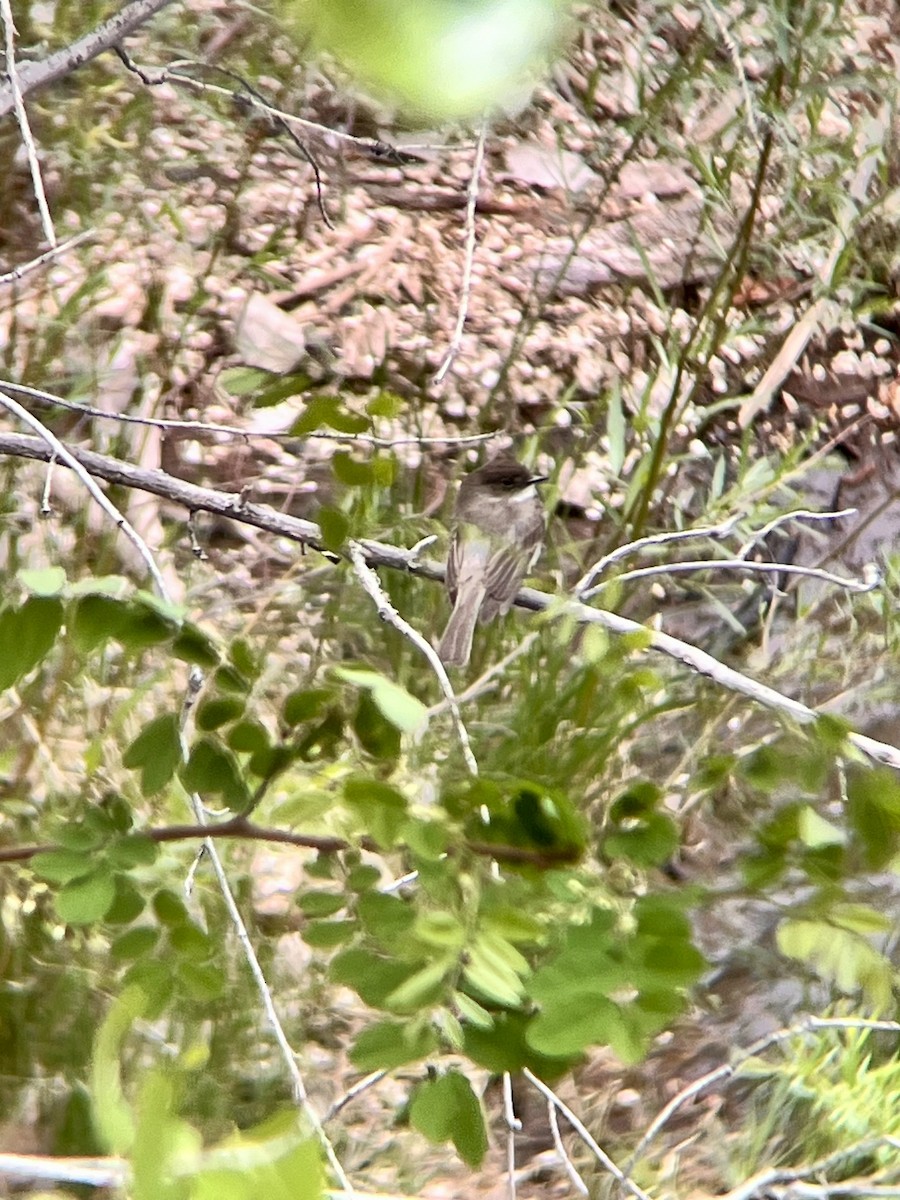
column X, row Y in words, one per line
column 498, row 532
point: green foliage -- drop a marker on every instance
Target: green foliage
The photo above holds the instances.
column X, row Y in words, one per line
column 165, row 1152
column 446, row 1109
column 546, row 916
column 834, row 1090
column 437, row 59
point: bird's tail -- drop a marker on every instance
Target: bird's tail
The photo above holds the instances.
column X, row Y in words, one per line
column 456, row 644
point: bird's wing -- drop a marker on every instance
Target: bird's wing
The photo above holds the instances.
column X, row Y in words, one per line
column 502, row 580
column 467, row 557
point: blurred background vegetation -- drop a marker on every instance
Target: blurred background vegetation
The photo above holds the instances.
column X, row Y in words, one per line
column 667, row 194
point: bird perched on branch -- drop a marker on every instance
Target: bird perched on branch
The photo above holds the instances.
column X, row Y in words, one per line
column 498, row 531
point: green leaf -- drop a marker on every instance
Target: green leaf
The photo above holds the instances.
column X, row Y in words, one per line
column 349, row 470
column 446, row 1109
column 423, row 988
column 159, row 1139
column 387, row 918
column 304, row 704
column 195, row 646
column 248, row 737
column 385, row 404
column 61, row 866
column 85, row 900
column 243, row 659
column 95, row 619
column 326, row 935
column 403, row 710
column 442, row 930
column 230, row 679
column 873, row 810
column 363, row 878
column 372, row 977
column 243, row 381
column 188, row 940
column 276, row 1159
column 201, row 981
column 289, row 385
column 389, row 1044
column 134, row 943
column 128, row 904
column 573, row 1023
column 489, row 972
column 320, row 904
column 146, row 622
column 82, row 836
column 135, row 850
column 334, row 527
column 841, row 956
column 156, row 753
column 860, row 918
column 213, row 770
column 381, row 808
column 383, row 471
column 218, row 711
column 376, row 734
column 112, row 1116
column 27, row 635
column 814, row 831
column 437, row 59
column 330, row 411
column 43, row 581
column 170, row 909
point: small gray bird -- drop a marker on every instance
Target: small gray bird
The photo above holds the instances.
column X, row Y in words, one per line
column 498, row 532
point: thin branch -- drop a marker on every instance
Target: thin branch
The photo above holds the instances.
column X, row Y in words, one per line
column 57, row 451
column 652, row 539
column 569, row 1167
column 174, row 73
column 721, row 530
column 288, row 1054
column 380, row 554
column 54, row 252
column 12, row 71
column 599, row 1153
column 248, row 93
column 387, row 612
column 39, row 74
column 513, row 1126
column 208, row 427
column 872, row 577
column 799, row 514
column 465, row 292
column 244, row 830
column 357, row 1090
column 95, row 1172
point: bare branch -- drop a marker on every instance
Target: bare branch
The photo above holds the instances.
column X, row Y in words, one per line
column 387, row 612
column 380, row 554
column 55, row 450
column 63, row 62
column 466, row 287
column 599, row 1153
column 48, row 256
column 12, row 70
column 871, row 580
column 172, row 425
